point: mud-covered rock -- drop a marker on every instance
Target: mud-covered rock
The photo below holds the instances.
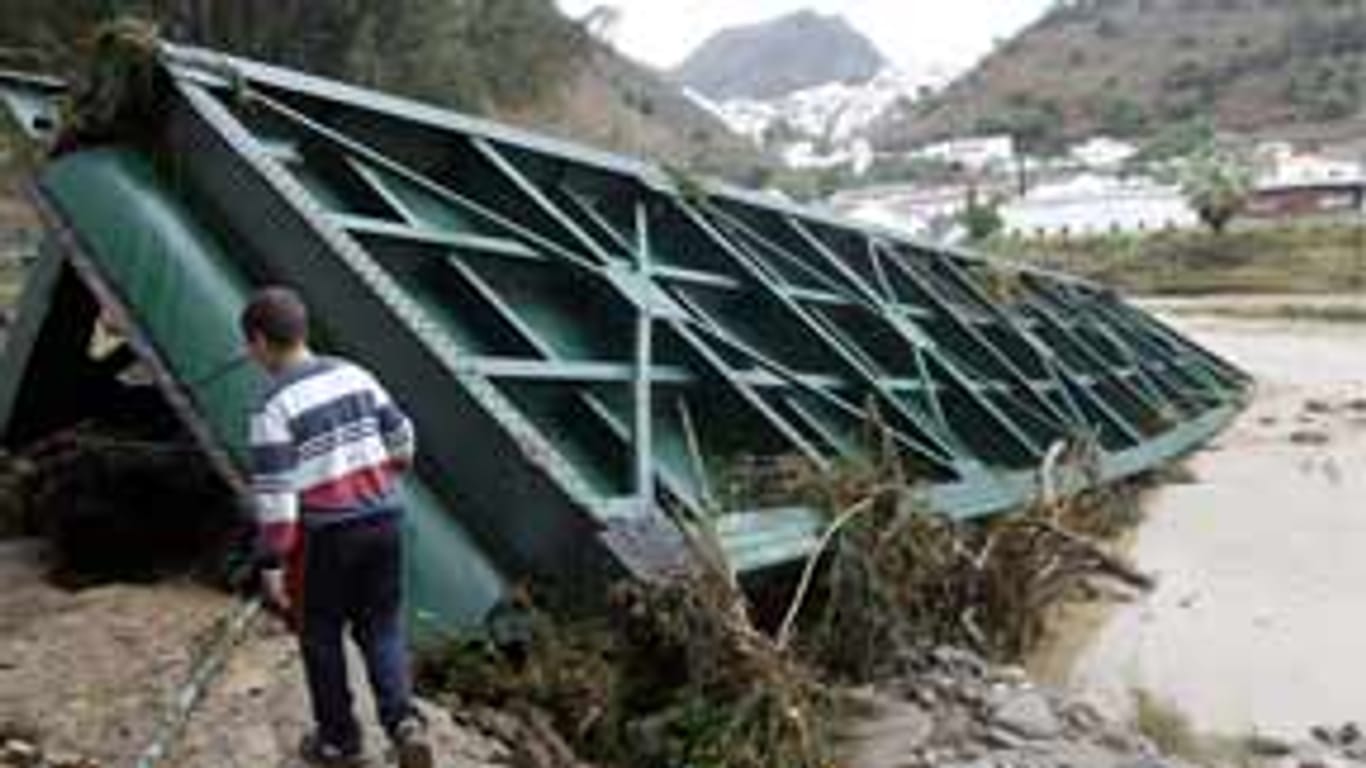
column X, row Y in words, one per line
column 20, row 754
column 1027, row 714
column 962, row 712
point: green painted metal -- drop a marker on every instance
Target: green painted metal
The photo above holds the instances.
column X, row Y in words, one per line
column 178, row 291
column 591, row 346
column 181, row 289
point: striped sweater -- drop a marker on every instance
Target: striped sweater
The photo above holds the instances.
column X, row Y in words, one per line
column 327, row 444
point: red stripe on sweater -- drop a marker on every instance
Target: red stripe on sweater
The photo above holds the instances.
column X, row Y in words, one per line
column 351, row 490
column 281, row 538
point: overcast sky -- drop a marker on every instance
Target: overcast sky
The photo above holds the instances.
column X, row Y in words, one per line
column 915, row 34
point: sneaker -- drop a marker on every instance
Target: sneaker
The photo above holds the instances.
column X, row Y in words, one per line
column 315, row 751
column 411, row 745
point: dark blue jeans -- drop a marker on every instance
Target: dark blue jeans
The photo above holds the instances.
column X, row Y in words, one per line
column 353, row 578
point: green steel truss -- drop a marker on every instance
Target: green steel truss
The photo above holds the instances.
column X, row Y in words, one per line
column 590, row 345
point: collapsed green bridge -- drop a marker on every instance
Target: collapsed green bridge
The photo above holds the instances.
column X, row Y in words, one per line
column 589, row 345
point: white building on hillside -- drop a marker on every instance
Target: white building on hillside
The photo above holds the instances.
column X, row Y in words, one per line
column 1282, row 166
column 1102, row 153
column 858, row 156
column 975, row 153
column 1094, row 204
column 923, row 210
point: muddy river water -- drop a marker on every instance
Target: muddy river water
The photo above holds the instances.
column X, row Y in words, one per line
column 1259, row 621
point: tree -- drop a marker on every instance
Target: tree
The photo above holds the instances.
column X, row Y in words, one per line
column 980, row 218
column 475, row 55
column 1178, row 140
column 1120, row 116
column 1217, row 185
column 1037, row 125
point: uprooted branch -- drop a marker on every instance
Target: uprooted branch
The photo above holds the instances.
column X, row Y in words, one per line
column 1106, row 562
column 890, row 575
column 678, row 674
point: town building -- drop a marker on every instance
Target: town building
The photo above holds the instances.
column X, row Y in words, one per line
column 1297, row 185
column 1093, row 204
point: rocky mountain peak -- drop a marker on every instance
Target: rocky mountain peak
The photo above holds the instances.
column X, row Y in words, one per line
column 777, row 57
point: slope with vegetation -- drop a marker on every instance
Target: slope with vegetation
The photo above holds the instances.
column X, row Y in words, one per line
column 1129, row 67
column 516, row 60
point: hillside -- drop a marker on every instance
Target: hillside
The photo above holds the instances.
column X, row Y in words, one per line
column 516, row 60
column 612, row 102
column 774, row 58
column 1127, row 67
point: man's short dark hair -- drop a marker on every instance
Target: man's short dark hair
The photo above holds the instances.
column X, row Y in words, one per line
column 277, row 314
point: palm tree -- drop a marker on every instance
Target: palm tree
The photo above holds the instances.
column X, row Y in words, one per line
column 1217, row 184
column 980, row 218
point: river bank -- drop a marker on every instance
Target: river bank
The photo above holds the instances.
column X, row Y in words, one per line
column 1305, row 258
column 1255, row 622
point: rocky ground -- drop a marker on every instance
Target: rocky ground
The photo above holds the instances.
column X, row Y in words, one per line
column 957, row 711
column 1327, row 747
column 85, row 678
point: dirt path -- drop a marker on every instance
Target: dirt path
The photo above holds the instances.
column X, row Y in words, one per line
column 90, row 673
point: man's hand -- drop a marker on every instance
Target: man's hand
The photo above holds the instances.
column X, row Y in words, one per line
column 274, row 589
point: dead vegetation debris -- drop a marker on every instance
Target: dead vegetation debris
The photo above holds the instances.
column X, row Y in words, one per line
column 900, row 578
column 114, row 508
column 16, row 479
column 680, row 673
column 112, row 501
column 119, row 99
column 677, row 674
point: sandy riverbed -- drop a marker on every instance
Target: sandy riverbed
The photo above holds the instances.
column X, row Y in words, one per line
column 1260, row 617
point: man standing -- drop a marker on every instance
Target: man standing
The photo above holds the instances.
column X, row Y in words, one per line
column 327, row 446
